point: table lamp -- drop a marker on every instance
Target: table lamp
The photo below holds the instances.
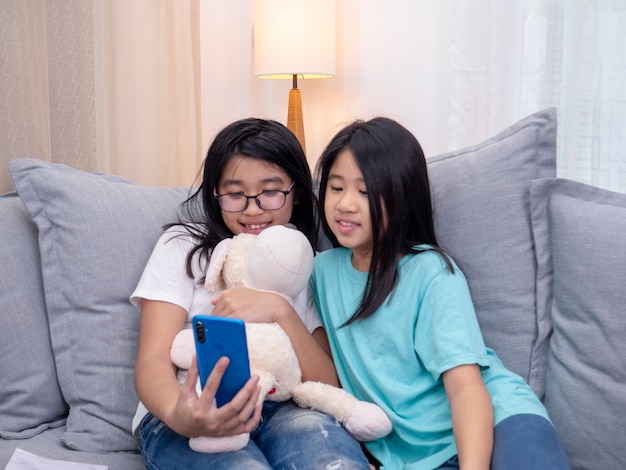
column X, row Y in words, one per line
column 294, row 39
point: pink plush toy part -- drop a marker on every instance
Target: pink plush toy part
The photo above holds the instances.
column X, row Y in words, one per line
column 279, row 260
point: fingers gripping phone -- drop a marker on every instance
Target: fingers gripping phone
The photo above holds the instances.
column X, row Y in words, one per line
column 216, row 337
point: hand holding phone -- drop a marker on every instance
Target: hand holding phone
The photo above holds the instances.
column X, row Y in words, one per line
column 216, row 337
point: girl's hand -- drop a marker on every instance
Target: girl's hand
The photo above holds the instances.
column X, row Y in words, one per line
column 200, row 415
column 250, row 305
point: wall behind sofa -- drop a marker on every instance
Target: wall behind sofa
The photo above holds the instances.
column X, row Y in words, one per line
column 454, row 72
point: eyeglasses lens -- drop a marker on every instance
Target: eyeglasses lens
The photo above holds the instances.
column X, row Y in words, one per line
column 267, row 200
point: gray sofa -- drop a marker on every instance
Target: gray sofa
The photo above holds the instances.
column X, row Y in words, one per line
column 545, row 258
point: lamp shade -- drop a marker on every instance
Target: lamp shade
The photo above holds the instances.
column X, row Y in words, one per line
column 294, row 37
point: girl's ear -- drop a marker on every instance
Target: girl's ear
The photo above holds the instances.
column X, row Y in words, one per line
column 297, row 193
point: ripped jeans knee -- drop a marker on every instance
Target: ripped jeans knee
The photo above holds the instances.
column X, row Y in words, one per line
column 303, row 439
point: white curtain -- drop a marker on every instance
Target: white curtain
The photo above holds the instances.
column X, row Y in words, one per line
column 138, row 88
column 102, row 85
column 510, row 58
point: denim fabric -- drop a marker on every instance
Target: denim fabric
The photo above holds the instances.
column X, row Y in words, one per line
column 452, row 464
column 287, row 437
column 523, row 442
column 527, row 442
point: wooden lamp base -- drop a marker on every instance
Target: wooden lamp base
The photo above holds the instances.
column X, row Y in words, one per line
column 295, row 122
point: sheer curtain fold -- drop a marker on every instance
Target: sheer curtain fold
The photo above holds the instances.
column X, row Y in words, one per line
column 151, row 62
column 24, row 111
column 513, row 58
column 102, row 85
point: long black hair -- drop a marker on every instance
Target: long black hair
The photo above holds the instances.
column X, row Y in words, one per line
column 394, row 170
column 265, row 140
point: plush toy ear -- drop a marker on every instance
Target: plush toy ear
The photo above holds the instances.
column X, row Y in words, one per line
column 213, row 281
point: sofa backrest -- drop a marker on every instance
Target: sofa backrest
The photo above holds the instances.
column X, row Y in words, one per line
column 27, row 361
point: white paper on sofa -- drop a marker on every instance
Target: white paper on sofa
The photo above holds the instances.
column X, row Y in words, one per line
column 22, row 460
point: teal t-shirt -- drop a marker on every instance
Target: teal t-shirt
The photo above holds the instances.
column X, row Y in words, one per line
column 395, row 358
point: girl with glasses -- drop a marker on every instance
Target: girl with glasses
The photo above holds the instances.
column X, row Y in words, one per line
column 255, row 176
column 401, row 322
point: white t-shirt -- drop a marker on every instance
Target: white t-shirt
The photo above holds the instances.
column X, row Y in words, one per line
column 165, row 279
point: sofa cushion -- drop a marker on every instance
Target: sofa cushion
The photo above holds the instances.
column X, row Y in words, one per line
column 30, row 397
column 481, row 203
column 581, row 255
column 96, row 232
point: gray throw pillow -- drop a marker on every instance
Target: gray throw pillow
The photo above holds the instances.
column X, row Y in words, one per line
column 581, row 256
column 96, row 233
column 481, row 203
column 30, row 397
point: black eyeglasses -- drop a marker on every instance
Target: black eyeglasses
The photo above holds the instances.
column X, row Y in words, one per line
column 269, row 200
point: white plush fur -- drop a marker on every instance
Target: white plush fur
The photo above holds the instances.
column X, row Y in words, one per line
column 280, row 260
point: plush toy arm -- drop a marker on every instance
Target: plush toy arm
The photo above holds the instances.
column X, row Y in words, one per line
column 364, row 421
column 213, row 445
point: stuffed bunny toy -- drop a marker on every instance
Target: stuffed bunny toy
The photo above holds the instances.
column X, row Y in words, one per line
column 280, row 260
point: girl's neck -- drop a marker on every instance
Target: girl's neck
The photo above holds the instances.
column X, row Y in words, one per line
column 361, row 261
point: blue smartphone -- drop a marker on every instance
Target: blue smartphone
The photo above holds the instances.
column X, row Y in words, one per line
column 216, row 337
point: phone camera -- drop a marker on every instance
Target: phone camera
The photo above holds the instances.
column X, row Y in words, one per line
column 200, row 331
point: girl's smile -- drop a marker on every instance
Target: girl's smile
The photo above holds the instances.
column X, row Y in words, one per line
column 346, row 226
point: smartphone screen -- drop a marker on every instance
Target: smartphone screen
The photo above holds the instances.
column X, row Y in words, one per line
column 216, row 337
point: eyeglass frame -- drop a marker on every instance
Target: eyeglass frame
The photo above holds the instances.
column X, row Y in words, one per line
column 255, row 197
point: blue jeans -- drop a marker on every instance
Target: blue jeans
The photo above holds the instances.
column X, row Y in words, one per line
column 287, row 437
column 523, row 442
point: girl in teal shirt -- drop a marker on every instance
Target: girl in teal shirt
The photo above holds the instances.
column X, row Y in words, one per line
column 400, row 318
